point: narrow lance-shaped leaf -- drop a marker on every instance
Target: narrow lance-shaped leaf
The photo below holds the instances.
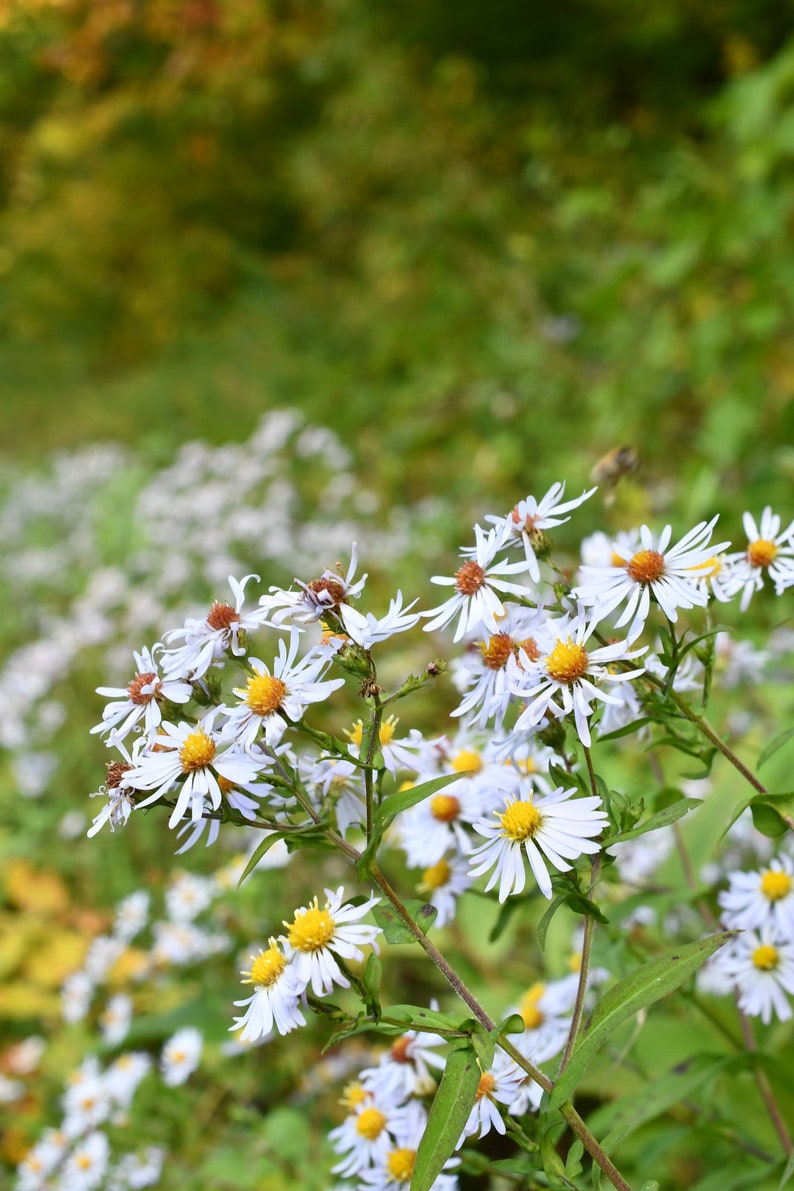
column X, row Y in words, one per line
column 449, row 1112
column 393, row 804
column 631, row 994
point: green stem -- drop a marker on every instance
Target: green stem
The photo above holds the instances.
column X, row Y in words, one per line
column 374, row 741
column 589, row 929
column 567, row 1110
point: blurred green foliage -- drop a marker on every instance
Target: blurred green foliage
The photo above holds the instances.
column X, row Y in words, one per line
column 487, row 244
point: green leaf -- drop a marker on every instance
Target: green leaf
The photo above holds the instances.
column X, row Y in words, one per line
column 392, row 925
column 393, row 804
column 553, row 1165
column 482, row 1040
column 776, row 743
column 449, row 1112
column 514, row 1024
column 625, row 1116
column 371, row 979
column 416, row 1017
column 773, row 814
column 663, row 818
column 634, row 992
column 526, row 1164
column 261, row 848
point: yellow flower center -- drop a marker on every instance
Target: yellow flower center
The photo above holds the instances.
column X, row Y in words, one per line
column 311, row 929
column 485, row 1086
column 264, row 693
column 370, row 1123
column 197, row 751
column 710, row 568
column 400, row 1164
column 387, row 729
column 467, row 760
column 646, row 566
column 84, row 1161
column 528, row 1007
column 775, row 885
column 615, row 560
column 356, row 733
column 469, row 578
column 766, row 957
column 268, row 966
column 353, row 1095
column 761, row 553
column 567, row 661
column 520, row 821
column 444, row 807
column 436, row 876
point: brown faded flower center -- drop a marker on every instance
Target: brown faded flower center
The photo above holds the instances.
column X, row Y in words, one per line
column 761, row 553
column 499, row 648
column 331, row 587
column 222, row 616
column 567, row 661
column 469, row 578
column 399, row 1050
column 115, row 775
column 135, row 688
column 645, row 567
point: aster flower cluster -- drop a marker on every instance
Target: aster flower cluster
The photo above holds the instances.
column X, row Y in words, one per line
column 81, row 1153
column 222, row 724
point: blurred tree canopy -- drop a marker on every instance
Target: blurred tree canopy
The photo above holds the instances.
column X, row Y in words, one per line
column 506, row 219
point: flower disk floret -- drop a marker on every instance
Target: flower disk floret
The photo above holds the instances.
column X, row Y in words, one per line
column 553, row 828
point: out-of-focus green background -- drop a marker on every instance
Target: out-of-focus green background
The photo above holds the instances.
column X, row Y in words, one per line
column 486, row 243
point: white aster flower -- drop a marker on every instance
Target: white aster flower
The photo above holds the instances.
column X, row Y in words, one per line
column 438, row 824
column 500, row 1084
column 556, row 825
column 488, row 665
column 529, row 519
column 672, row 576
column 274, row 1001
column 119, row 795
column 132, row 914
column 140, row 699
column 316, row 936
column 769, row 552
column 135, row 1171
column 406, row 753
column 188, row 896
column 124, row 1075
column 269, row 701
column 367, row 630
column 564, row 677
column 76, row 995
column 443, row 883
column 365, row 1136
column 313, row 600
column 405, row 1068
column 761, row 967
column 41, row 1160
column 475, row 601
column 180, row 1056
column 115, row 1020
column 394, row 1171
column 757, row 899
column 187, row 758
column 738, row 662
column 208, row 640
column 85, row 1167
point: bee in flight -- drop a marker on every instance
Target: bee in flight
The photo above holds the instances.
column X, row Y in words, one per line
column 612, row 467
